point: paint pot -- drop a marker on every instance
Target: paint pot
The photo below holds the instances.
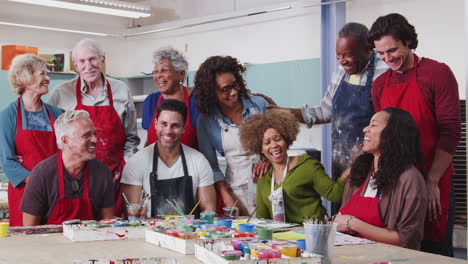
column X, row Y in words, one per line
column 4, row 229
column 242, row 234
column 219, row 228
column 221, row 235
column 231, row 254
column 268, row 253
column 189, row 228
column 301, row 244
column 208, row 216
column 250, row 228
column 265, row 233
column 225, row 222
column 135, row 212
column 288, row 250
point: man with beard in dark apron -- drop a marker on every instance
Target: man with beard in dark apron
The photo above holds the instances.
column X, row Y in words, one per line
column 169, row 170
column 347, row 103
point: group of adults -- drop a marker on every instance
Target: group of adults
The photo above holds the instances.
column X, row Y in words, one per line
column 395, row 126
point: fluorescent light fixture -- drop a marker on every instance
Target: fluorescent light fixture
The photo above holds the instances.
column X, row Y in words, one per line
column 56, row 29
column 86, row 8
column 122, row 4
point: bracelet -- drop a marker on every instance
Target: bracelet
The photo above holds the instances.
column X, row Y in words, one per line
column 349, row 230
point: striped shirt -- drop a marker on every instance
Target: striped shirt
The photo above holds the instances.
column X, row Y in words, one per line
column 64, row 96
column 323, row 113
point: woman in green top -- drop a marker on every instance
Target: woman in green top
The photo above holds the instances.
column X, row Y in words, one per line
column 299, row 181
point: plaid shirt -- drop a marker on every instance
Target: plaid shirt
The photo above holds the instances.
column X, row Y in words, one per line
column 323, row 113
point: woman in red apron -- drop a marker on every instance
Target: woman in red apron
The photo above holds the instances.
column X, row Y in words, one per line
column 170, row 68
column 27, row 134
column 385, row 198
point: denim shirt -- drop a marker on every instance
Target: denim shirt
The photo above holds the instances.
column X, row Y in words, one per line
column 209, row 131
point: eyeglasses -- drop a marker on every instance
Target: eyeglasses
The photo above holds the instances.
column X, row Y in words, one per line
column 226, row 90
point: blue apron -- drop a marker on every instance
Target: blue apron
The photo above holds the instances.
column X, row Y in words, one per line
column 352, row 111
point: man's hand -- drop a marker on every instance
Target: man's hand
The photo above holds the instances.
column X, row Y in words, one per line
column 260, row 168
column 433, row 197
column 117, row 176
column 229, row 202
column 18, row 158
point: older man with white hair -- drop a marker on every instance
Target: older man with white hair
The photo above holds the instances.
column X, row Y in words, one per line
column 71, row 184
column 109, row 103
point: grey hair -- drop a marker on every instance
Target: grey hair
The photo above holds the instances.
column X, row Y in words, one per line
column 22, row 70
column 358, row 32
column 88, row 43
column 63, row 124
column 177, row 59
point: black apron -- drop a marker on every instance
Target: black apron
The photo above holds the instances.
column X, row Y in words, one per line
column 178, row 189
column 352, row 111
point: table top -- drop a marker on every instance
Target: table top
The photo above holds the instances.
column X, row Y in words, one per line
column 56, row 248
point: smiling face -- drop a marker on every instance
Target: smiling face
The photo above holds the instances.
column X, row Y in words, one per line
column 82, row 142
column 350, row 55
column 169, row 128
column 394, row 53
column 40, row 83
column 373, row 131
column 227, row 90
column 166, row 77
column 274, row 147
column 88, row 64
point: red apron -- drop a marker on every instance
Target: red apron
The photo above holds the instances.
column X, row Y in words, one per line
column 189, row 137
column 364, row 208
column 33, row 146
column 111, row 137
column 408, row 96
column 68, row 209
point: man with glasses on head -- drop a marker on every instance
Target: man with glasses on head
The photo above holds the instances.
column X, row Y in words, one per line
column 71, row 184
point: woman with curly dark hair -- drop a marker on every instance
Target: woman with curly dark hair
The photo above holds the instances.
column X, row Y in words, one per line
column 385, row 199
column 292, row 188
column 224, row 104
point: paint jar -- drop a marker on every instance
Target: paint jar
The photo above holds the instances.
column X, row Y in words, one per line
column 208, row 216
column 221, row 235
column 219, row 228
column 250, row 228
column 4, row 229
column 231, row 254
column 209, row 233
column 236, row 224
column 256, row 247
column 265, row 233
column 230, row 211
column 275, row 244
column 135, row 212
column 189, row 228
column 288, row 250
column 320, row 239
column 242, row 234
column 301, row 244
column 225, row 222
column 268, row 253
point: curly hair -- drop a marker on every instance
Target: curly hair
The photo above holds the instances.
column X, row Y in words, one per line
column 22, row 70
column 205, row 81
column 399, row 150
column 395, row 25
column 252, row 131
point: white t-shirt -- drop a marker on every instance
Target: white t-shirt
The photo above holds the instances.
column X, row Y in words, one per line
column 140, row 165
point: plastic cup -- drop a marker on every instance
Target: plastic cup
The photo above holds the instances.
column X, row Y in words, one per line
column 225, row 222
column 265, row 233
column 208, row 216
column 230, row 212
column 249, row 228
column 301, row 244
column 135, row 212
column 320, row 239
column 4, row 229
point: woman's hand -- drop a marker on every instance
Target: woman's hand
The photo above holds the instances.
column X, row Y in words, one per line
column 260, row 168
column 345, row 174
column 340, row 220
column 229, row 202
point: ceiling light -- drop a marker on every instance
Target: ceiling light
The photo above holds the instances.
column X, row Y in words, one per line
column 56, row 29
column 86, row 8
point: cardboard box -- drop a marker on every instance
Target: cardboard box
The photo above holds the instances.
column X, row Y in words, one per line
column 184, row 246
column 85, row 233
column 11, row 51
column 207, row 251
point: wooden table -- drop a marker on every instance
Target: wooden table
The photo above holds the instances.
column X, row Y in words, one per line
column 56, row 248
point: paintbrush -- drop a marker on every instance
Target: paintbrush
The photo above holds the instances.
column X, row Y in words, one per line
column 175, row 207
column 195, row 207
column 177, row 204
column 128, row 203
column 248, row 220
